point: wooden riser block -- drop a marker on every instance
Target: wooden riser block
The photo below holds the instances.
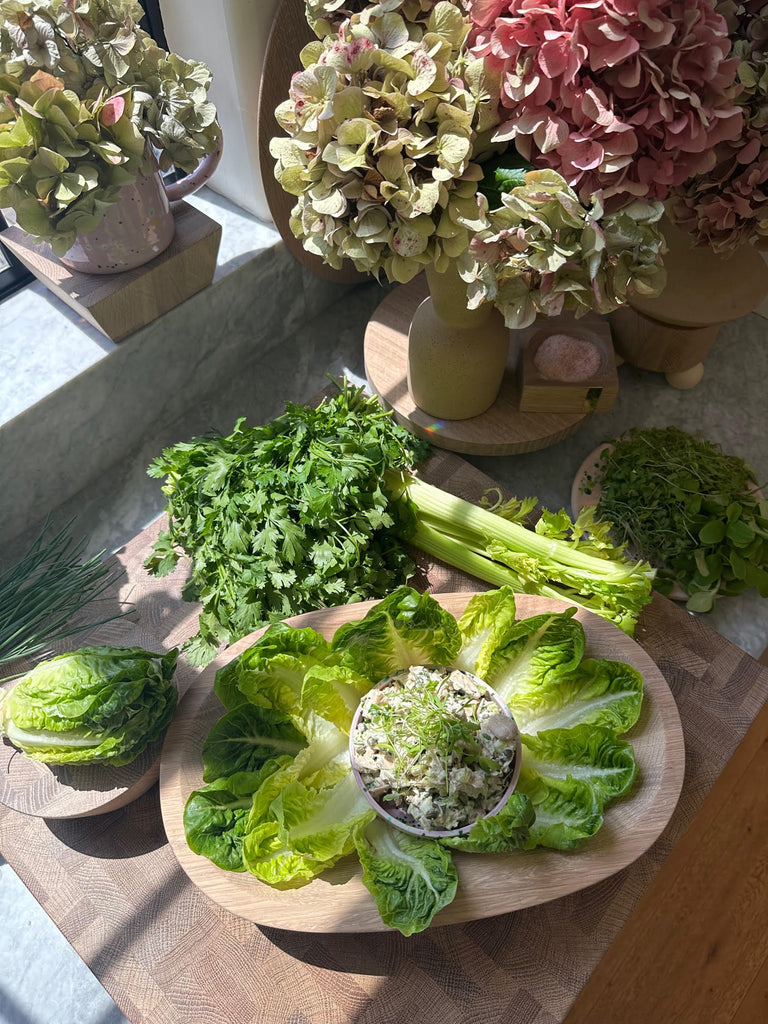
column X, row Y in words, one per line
column 120, row 304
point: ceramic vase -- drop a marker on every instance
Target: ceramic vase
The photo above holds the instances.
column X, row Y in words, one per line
column 140, row 225
column 456, row 356
column 673, row 333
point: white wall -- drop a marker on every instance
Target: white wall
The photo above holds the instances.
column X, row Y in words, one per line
column 231, row 37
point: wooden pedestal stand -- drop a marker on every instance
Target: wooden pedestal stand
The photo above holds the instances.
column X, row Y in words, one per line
column 673, row 333
column 119, row 304
column 502, row 430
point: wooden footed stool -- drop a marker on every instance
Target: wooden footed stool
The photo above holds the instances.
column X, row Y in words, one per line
column 673, row 333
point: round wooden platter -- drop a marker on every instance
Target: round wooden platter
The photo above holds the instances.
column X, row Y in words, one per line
column 337, row 901
column 79, row 791
column 502, row 430
column 289, row 34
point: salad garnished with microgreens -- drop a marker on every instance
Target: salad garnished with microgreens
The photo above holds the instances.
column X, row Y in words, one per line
column 433, row 748
column 280, row 799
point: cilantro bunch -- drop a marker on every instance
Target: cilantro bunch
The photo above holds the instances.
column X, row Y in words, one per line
column 690, row 508
column 286, row 517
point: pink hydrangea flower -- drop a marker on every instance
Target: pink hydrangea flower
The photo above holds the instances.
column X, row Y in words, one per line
column 729, row 205
column 625, row 96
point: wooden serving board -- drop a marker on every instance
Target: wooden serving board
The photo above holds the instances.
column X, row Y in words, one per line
column 502, row 430
column 489, row 884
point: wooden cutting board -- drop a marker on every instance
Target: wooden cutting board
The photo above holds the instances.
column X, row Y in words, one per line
column 169, row 955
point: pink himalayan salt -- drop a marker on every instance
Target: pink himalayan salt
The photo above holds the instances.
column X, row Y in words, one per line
column 564, row 358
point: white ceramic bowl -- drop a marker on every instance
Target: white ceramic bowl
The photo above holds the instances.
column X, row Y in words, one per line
column 393, row 819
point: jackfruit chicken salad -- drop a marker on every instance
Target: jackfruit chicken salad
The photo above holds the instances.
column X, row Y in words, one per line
column 434, row 748
column 279, row 798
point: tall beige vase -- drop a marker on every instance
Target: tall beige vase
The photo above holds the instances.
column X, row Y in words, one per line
column 456, row 356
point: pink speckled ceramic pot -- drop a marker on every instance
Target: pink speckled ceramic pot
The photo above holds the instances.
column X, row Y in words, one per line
column 139, row 226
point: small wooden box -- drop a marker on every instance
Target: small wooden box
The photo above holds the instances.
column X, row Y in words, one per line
column 539, row 393
column 119, row 304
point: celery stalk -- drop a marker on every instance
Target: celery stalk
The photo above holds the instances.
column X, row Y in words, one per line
column 440, row 507
column 506, row 553
column 460, row 556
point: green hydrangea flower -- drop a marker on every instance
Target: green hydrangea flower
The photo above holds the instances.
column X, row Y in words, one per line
column 381, row 130
column 83, row 89
column 542, row 251
column 325, row 16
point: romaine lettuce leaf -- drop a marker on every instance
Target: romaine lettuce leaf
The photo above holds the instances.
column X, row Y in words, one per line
column 216, row 816
column 484, row 627
column 410, row 878
column 301, row 831
column 540, row 650
column 601, row 693
column 406, row 628
column 567, row 811
column 243, row 739
column 587, row 753
column 270, row 673
column 505, row 831
column 333, row 692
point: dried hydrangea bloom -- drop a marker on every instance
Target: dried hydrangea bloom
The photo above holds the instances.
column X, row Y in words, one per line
column 325, row 17
column 627, row 97
column 546, row 252
column 380, row 133
column 728, row 205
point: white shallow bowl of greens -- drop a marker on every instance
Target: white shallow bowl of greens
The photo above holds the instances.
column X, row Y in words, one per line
column 434, row 749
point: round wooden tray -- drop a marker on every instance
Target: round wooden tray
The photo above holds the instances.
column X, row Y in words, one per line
column 502, row 430
column 79, row 791
column 337, row 901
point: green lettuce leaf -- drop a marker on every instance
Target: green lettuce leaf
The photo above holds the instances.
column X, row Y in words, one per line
column 601, row 693
column 539, row 651
column 484, row 627
column 216, row 816
column 296, row 831
column 410, row 878
column 406, row 628
column 243, row 739
column 567, row 811
column 586, row 753
column 333, row 692
column 271, row 672
column 502, row 832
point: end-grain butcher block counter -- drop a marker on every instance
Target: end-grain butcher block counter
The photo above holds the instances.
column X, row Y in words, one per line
column 677, row 935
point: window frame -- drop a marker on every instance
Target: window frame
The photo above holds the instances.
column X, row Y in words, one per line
column 152, row 21
column 15, row 276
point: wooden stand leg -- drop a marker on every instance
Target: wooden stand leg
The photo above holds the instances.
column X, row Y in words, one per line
column 686, row 379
